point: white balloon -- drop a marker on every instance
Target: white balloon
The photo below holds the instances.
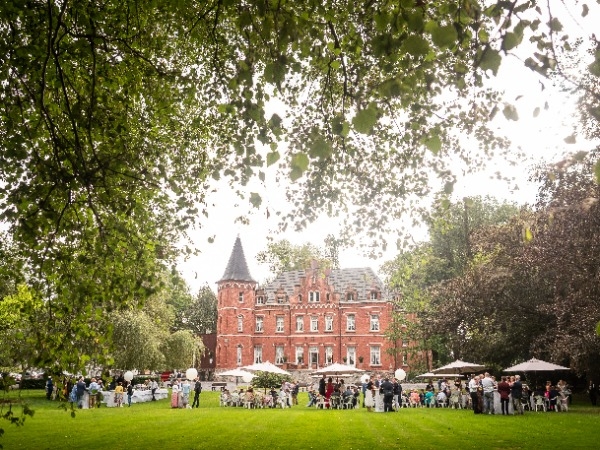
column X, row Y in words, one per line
column 128, row 376
column 365, row 378
column 191, row 373
column 400, row 374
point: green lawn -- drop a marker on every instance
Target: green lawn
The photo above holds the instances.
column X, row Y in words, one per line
column 156, row 426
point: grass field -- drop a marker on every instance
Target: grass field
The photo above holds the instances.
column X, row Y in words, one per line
column 155, row 425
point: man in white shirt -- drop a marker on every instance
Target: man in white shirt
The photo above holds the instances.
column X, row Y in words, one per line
column 488, row 394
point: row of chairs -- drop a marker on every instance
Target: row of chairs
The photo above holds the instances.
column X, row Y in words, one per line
column 253, row 400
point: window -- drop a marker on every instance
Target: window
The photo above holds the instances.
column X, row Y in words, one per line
column 328, row 355
column 240, row 321
column 350, row 296
column 375, row 355
column 374, row 322
column 279, row 324
column 279, row 358
column 404, row 343
column 404, row 359
column 314, row 296
column 350, row 322
column 238, row 357
column 299, row 354
column 327, row 297
column 374, row 295
column 351, row 355
column 259, row 324
column 299, row 323
column 260, row 300
column 280, row 299
column 299, row 298
column 328, row 323
column 258, row 354
column 314, row 323
column 313, row 356
column 241, row 297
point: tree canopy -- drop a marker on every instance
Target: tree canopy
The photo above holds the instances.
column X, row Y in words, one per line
column 117, row 115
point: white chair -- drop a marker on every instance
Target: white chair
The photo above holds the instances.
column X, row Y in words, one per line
column 455, row 401
column 539, row 403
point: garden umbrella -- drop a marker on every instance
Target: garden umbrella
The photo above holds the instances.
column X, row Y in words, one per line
column 337, row 369
column 266, row 367
column 459, row 367
column 235, row 373
column 435, row 375
column 536, row 365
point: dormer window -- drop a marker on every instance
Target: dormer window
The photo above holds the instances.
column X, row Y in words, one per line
column 374, row 295
column 350, row 296
column 314, row 296
column 241, row 297
column 260, row 300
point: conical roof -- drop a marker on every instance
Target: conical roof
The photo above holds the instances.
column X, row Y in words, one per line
column 237, row 269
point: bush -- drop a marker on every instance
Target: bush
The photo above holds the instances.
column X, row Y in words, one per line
column 33, row 383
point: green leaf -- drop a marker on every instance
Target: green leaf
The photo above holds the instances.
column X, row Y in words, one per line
column 510, row 112
column 597, row 172
column 555, row 24
column 320, row 148
column 490, row 60
column 444, row 36
column 272, row 158
column 434, row 144
column 511, row 40
column 415, row 45
column 527, row 234
column 255, row 199
column 365, row 119
column 300, row 161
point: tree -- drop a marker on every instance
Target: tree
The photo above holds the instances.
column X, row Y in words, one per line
column 182, row 349
column 282, row 256
column 109, row 109
column 201, row 315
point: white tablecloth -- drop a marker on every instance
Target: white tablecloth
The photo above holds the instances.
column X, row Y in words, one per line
column 137, row 397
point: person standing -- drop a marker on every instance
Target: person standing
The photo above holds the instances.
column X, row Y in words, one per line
column 129, row 393
column 504, row 391
column 387, row 388
column 369, row 396
column 397, row 393
column 322, row 385
column 93, row 389
column 153, row 388
column 175, row 394
column 593, row 392
column 197, row 390
column 516, row 391
column 185, row 393
column 49, row 388
column 294, row 390
column 80, row 391
column 473, row 385
column 488, row 394
column 119, row 395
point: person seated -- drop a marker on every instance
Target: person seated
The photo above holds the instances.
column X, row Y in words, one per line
column 441, row 398
column 313, row 398
column 414, row 399
column 430, row 399
column 335, row 398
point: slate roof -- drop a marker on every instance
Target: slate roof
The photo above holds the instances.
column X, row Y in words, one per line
column 237, row 268
column 361, row 280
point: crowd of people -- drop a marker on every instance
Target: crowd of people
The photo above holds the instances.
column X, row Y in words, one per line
column 181, row 390
column 285, row 397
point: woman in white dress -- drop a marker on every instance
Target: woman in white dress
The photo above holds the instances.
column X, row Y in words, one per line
column 369, row 399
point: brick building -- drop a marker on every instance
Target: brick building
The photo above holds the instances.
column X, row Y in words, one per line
column 304, row 319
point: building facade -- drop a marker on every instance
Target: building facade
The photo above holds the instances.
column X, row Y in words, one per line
column 303, row 320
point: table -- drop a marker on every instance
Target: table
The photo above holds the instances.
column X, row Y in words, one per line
column 137, row 397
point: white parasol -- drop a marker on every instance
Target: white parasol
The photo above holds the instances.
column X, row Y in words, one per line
column 337, row 369
column 535, row 365
column 266, row 367
column 459, row 367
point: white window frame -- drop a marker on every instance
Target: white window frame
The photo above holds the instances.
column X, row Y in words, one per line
column 238, row 357
column 240, row 323
column 328, row 355
column 279, row 354
column 260, row 324
column 351, row 355
column 299, row 353
column 314, row 297
column 241, row 297
column 350, row 296
column 374, row 322
column 279, row 324
column 374, row 295
column 351, row 322
column 258, row 354
column 299, row 323
column 260, row 300
column 375, row 355
column 328, row 323
column 314, row 323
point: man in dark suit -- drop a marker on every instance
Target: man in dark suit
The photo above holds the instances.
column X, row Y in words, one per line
column 387, row 388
